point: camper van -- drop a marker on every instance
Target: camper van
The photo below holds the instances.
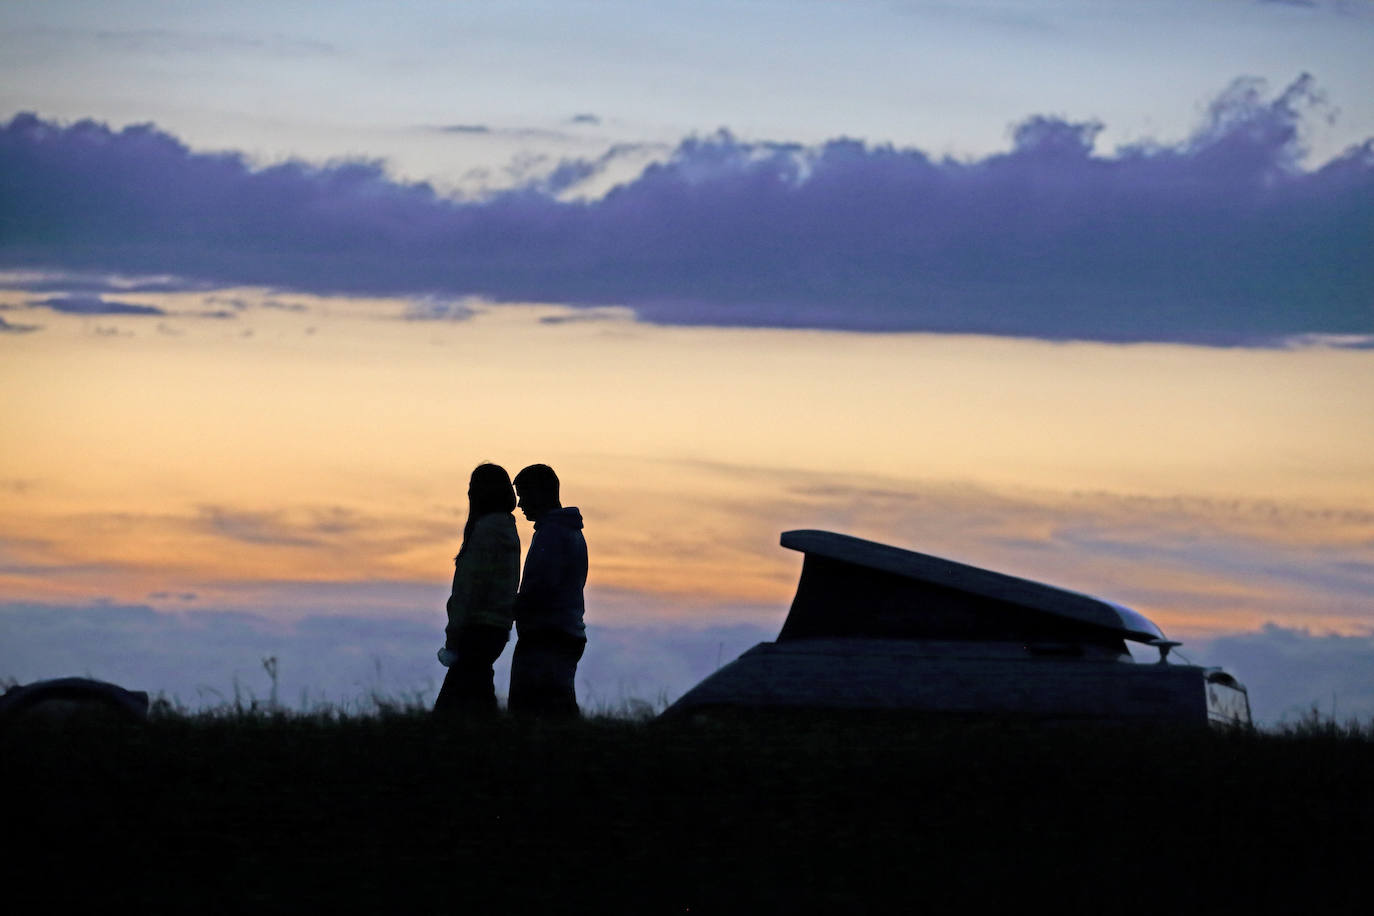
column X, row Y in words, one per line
column 876, row 627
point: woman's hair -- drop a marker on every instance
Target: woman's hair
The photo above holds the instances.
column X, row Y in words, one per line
column 489, row 490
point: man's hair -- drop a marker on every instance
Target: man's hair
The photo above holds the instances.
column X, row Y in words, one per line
column 539, row 478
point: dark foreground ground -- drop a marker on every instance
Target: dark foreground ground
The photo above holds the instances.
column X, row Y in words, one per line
column 397, row 814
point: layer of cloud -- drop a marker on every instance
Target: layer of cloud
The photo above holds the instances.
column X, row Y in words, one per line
column 1222, row 238
column 308, row 559
column 1291, row 673
column 463, row 129
column 1195, row 566
column 228, row 305
column 182, row 41
column 8, row 328
column 77, row 282
column 435, row 308
column 255, row 528
column 204, row 658
column 82, row 304
column 511, row 133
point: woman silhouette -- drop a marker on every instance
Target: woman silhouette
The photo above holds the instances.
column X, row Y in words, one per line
column 486, row 574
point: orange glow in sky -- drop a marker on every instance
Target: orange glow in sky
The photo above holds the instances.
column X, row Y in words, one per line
column 329, row 442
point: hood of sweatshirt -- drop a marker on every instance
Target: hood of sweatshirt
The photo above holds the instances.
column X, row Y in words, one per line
column 567, row 517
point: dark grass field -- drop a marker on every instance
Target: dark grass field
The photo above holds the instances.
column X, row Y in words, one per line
column 396, row 813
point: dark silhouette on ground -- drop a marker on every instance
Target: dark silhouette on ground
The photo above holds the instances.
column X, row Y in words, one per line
column 66, row 698
column 793, row 814
column 486, row 573
column 549, row 609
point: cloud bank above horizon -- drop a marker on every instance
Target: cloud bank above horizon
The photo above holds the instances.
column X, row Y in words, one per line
column 1223, row 238
column 206, row 659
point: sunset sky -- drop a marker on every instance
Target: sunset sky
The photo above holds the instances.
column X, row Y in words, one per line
column 1083, row 292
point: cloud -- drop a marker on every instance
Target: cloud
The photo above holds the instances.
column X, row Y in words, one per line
column 227, row 306
column 657, row 664
column 482, row 130
column 317, row 526
column 463, row 129
column 570, row 173
column 283, row 306
column 1291, row 672
column 1236, row 558
column 433, row 308
column 177, row 41
column 43, row 281
column 584, row 118
column 254, row 527
column 1332, row 341
column 1222, row 238
column 7, row 328
column 202, row 658
column 295, row 560
column 95, row 305
column 1337, row 7
column 587, row 315
column 1195, row 566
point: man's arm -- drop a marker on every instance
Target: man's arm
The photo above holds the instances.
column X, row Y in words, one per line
column 539, row 585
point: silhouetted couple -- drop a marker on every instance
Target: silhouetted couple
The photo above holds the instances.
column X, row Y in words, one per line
column 489, row 594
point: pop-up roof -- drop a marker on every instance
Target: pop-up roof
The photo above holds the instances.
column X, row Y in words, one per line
column 855, row 588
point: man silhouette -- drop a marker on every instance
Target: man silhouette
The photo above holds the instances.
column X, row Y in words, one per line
column 549, row 606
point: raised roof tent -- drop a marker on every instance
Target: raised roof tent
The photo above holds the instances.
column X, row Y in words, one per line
column 851, row 587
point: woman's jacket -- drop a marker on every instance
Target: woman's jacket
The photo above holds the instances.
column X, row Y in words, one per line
column 486, row 575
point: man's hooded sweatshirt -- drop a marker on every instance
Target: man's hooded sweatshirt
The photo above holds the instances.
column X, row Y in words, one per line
column 550, row 598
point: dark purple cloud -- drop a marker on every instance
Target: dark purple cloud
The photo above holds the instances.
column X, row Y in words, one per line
column 1221, row 238
column 81, row 304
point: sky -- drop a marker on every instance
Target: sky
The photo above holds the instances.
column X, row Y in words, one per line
column 1078, row 291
